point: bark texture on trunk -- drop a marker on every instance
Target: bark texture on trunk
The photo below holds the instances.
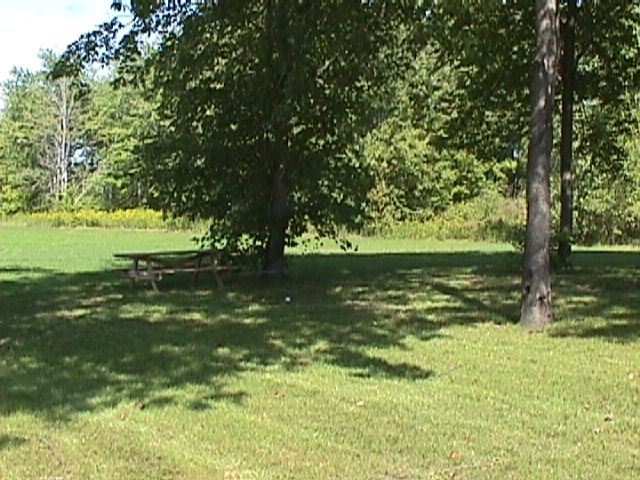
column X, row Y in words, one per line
column 536, row 311
column 278, row 99
column 278, row 222
column 566, row 140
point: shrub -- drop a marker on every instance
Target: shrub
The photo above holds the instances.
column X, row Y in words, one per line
column 415, row 180
column 489, row 217
column 131, row 218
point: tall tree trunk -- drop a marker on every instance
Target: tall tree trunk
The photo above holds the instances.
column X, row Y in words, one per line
column 63, row 108
column 278, row 221
column 278, row 101
column 566, row 140
column 536, row 311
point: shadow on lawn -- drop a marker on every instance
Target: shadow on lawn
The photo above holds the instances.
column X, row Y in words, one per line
column 78, row 342
column 600, row 297
column 10, row 441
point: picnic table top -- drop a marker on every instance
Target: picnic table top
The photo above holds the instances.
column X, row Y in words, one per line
column 165, row 253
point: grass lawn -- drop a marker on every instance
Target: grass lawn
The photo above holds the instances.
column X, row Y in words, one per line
column 400, row 361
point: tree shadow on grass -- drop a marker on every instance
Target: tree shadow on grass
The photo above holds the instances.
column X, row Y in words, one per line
column 24, row 270
column 599, row 297
column 71, row 343
column 11, row 441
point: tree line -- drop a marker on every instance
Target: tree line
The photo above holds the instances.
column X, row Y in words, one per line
column 71, row 141
column 274, row 118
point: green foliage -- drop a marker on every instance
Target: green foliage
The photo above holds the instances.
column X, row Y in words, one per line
column 608, row 50
column 608, row 162
column 492, row 121
column 492, row 44
column 261, row 104
column 72, row 142
column 415, row 180
column 21, row 189
column 23, row 177
column 117, row 124
column 417, row 174
column 39, row 138
column 488, row 217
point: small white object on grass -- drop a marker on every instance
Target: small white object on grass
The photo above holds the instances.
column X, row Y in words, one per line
column 287, row 299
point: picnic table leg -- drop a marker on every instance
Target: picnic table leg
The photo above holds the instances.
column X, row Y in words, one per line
column 196, row 272
column 214, row 262
column 132, row 277
column 152, row 276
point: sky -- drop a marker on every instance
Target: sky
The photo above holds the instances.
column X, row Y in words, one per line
column 28, row 26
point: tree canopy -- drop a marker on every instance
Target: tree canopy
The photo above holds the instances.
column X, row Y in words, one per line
column 261, row 108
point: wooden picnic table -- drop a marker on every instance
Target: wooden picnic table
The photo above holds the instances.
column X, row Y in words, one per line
column 153, row 266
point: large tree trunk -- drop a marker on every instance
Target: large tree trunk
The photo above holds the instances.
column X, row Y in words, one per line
column 566, row 140
column 278, row 222
column 536, row 311
column 277, row 95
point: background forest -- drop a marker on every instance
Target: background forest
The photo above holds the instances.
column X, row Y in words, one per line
column 402, row 124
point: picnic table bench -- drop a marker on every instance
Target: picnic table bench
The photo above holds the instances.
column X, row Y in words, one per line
column 153, row 266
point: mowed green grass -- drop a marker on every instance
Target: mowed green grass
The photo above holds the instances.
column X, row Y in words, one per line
column 400, row 361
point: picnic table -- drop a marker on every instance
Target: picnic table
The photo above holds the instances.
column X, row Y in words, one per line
column 153, row 266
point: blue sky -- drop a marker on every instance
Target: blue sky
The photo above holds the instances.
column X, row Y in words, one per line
column 27, row 26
